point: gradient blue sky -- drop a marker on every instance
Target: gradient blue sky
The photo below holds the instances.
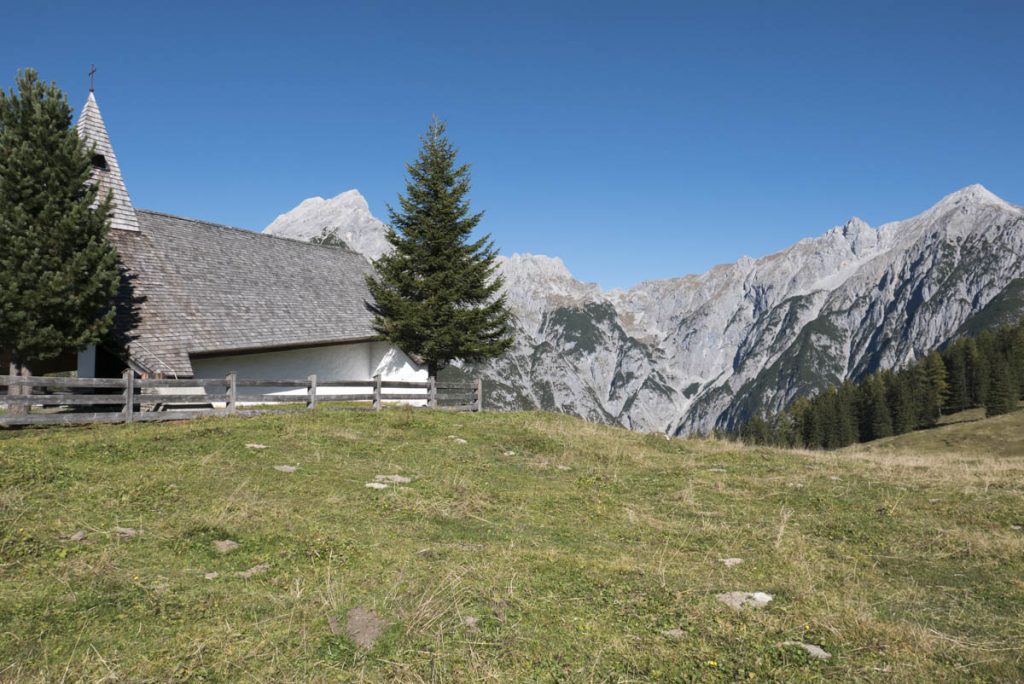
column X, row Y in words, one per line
column 634, row 140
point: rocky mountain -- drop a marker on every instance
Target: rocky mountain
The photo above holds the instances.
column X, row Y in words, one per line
column 346, row 217
column 704, row 351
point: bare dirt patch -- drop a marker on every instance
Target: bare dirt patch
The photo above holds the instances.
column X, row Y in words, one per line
column 253, row 571
column 364, row 627
column 225, row 545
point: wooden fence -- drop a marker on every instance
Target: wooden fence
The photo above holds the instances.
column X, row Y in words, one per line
column 65, row 401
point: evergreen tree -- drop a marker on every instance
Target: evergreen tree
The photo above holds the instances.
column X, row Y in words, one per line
column 58, row 272
column 1002, row 392
column 934, row 389
column 877, row 419
column 977, row 371
column 956, row 372
column 900, row 399
column 846, row 412
column 436, row 295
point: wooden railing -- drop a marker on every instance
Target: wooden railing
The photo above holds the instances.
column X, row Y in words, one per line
column 64, row 401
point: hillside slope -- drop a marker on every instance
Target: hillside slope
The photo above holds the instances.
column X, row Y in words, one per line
column 525, row 547
column 964, row 434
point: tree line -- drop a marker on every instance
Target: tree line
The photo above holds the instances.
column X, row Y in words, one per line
column 984, row 371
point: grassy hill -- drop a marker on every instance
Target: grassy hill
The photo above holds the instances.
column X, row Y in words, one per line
column 967, row 433
column 527, row 547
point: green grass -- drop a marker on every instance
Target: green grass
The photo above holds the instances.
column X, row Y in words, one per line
column 904, row 567
column 967, row 433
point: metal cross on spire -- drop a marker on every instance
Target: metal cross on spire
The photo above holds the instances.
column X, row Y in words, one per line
column 92, row 77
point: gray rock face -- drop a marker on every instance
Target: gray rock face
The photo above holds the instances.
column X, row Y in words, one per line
column 346, row 217
column 705, row 351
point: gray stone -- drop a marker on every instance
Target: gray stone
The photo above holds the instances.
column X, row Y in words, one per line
column 816, row 652
column 742, row 599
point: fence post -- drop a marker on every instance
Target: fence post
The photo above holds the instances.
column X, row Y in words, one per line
column 479, row 395
column 432, row 392
column 129, row 394
column 376, row 392
column 232, row 380
column 14, row 390
column 311, row 393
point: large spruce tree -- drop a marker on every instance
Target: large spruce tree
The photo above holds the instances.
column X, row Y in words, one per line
column 58, row 272
column 437, row 295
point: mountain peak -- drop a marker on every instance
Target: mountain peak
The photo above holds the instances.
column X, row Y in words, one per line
column 346, row 216
column 972, row 194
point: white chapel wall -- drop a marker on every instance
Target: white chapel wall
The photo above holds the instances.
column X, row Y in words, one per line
column 358, row 361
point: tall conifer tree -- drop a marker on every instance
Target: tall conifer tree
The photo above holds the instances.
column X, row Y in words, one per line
column 1002, row 392
column 58, row 272
column 437, row 295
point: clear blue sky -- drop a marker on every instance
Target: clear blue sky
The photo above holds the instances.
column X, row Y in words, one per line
column 635, row 140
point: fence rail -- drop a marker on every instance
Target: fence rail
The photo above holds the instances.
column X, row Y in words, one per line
column 58, row 401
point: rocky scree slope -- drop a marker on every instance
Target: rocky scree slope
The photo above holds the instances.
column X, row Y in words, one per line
column 704, row 351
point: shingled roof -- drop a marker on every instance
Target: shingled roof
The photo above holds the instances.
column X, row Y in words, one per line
column 105, row 169
column 203, row 288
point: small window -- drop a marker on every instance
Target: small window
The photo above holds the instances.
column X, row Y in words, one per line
column 99, row 162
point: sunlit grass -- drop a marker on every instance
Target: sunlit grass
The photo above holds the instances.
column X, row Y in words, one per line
column 541, row 549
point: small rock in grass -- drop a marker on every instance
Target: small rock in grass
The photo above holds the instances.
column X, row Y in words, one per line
column 740, row 599
column 837, row 479
column 126, row 532
column 285, row 468
column 563, row 467
column 76, row 536
column 364, row 627
column 1017, row 527
column 510, row 453
column 225, row 545
column 816, row 652
column 457, row 440
column 256, row 446
column 730, row 562
column 254, row 570
column 375, row 485
column 212, row 575
column 393, row 479
column 674, row 633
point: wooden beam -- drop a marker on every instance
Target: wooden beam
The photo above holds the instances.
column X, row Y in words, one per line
column 311, row 393
column 232, row 380
column 129, row 394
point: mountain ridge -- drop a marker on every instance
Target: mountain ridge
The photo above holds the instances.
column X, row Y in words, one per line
column 707, row 350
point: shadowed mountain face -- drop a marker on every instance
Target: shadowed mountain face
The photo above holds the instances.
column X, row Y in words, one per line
column 709, row 350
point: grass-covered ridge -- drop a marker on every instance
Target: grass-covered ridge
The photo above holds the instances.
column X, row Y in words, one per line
column 541, row 549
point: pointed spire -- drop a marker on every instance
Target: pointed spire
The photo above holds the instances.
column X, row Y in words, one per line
column 105, row 170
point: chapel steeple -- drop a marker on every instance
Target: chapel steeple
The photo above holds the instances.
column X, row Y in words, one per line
column 105, row 171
